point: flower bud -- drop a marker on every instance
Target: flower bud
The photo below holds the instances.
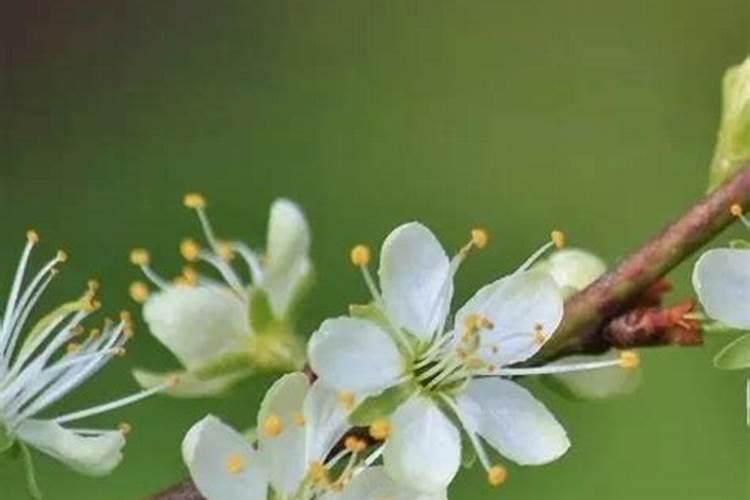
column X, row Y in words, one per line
column 733, row 144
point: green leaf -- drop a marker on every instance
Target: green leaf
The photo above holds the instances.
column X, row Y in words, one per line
column 261, row 315
column 31, row 482
column 383, row 404
column 735, row 356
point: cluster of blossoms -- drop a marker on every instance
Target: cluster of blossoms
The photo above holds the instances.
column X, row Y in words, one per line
column 223, row 329
column 42, row 364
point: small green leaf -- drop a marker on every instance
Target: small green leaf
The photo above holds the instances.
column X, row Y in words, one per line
column 383, row 404
column 261, row 315
column 735, row 356
column 31, row 482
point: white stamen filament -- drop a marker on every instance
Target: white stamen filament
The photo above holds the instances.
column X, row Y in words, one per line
column 103, row 408
column 535, row 256
column 154, row 277
column 550, row 369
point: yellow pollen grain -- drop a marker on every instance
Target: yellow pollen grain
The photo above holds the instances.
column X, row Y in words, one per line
column 360, row 255
column 480, row 237
column 354, row 444
column 736, row 210
column 496, row 475
column 629, row 359
column 190, row 250
column 318, row 472
column 346, row 399
column 558, row 238
column 273, row 426
column 138, row 291
column 298, row 419
column 235, row 463
column 194, row 200
column 125, row 428
column 32, row 236
column 140, row 257
column 380, row 429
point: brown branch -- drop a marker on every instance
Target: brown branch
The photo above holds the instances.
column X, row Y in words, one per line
column 622, row 308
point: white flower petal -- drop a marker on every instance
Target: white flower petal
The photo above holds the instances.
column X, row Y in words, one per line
column 515, row 305
column 374, row 484
column 198, row 323
column 355, row 355
column 574, row 269
column 721, row 279
column 326, row 421
column 287, row 254
column 92, row 454
column 284, row 454
column 423, row 451
column 512, row 421
column 222, row 463
column 415, row 278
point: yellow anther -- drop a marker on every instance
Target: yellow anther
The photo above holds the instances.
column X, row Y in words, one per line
column 173, row 381
column 346, row 399
column 354, row 444
column 360, row 255
column 479, row 237
column 539, row 336
column 120, row 351
column 273, row 426
column 125, row 428
column 558, row 238
column 139, row 291
column 318, row 472
column 94, row 333
column 126, row 317
column 190, row 275
column 93, row 285
column 235, row 463
column 73, row 347
column 90, row 305
column 32, row 236
column 77, row 330
column 629, row 359
column 140, row 257
column 190, row 250
column 736, row 210
column 194, row 200
column 62, row 256
column 496, row 475
column 380, row 429
column 298, row 419
column 225, row 250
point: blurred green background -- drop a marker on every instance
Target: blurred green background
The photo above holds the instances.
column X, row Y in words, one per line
column 595, row 117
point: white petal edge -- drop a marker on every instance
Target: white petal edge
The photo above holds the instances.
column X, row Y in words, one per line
column 198, row 324
column 374, row 484
column 515, row 305
column 326, row 421
column 355, row 355
column 423, row 451
column 415, row 278
column 208, row 448
column 509, row 418
column 721, row 279
column 94, row 455
column 284, row 454
column 287, row 252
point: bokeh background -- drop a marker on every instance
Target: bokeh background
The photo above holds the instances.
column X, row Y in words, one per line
column 597, row 117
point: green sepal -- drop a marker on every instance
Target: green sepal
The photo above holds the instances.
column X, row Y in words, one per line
column 7, row 440
column 383, row 404
column 734, row 356
column 28, row 464
column 740, row 244
column 260, row 313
